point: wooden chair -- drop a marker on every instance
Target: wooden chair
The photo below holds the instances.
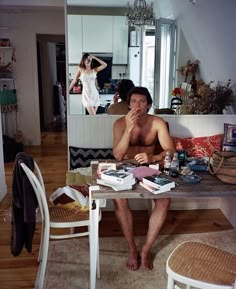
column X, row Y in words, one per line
column 201, row 266
column 54, row 217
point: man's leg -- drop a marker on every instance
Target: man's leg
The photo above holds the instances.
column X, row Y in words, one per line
column 156, row 221
column 125, row 218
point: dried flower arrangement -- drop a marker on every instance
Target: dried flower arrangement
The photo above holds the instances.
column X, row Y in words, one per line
column 190, row 68
column 212, row 98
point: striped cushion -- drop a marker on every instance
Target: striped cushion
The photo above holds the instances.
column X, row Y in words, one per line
column 81, row 157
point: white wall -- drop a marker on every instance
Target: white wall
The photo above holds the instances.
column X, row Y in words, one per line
column 207, row 28
column 22, row 29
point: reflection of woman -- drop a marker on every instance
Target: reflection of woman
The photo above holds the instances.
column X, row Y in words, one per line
column 121, row 107
column 88, row 75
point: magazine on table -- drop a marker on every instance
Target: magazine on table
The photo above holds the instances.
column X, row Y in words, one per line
column 152, row 189
column 116, row 176
column 144, row 171
column 159, row 182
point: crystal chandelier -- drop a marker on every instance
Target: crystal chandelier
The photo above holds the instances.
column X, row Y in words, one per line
column 140, row 13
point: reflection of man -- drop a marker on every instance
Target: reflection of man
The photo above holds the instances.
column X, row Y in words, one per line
column 135, row 136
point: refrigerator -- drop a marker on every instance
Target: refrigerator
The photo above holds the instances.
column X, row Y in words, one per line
column 134, row 65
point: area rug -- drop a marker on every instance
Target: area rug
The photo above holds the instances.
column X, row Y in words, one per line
column 68, row 265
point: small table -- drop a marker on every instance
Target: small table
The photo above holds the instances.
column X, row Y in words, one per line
column 209, row 186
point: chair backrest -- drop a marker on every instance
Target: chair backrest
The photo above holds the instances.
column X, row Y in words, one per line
column 39, row 176
column 39, row 189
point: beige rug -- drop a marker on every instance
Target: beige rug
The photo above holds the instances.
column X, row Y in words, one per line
column 68, row 265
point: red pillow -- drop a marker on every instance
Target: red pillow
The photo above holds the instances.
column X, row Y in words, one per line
column 199, row 146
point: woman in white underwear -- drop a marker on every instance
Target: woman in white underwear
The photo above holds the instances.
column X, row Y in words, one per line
column 88, row 76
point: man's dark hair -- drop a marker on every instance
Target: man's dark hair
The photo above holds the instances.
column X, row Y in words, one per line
column 140, row 90
column 123, row 87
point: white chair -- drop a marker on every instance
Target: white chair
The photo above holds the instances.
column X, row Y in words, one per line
column 54, row 217
column 201, row 266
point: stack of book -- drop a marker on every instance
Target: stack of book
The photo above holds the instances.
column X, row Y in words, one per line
column 118, row 180
column 157, row 184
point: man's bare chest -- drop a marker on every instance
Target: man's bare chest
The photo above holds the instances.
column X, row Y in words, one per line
column 143, row 137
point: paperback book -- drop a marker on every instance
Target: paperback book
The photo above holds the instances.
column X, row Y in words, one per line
column 117, row 187
column 116, row 176
column 159, row 182
column 104, row 166
column 152, row 189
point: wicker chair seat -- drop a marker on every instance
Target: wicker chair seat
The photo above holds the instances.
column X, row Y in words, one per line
column 58, row 214
column 194, row 261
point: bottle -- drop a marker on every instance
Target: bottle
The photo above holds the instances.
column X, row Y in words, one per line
column 174, row 168
column 167, row 163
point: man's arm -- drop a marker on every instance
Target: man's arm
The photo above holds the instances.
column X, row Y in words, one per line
column 121, row 139
column 165, row 141
column 122, row 130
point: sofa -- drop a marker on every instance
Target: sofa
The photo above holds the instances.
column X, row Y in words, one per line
column 96, row 133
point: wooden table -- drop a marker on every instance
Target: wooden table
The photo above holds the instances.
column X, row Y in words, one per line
column 209, row 187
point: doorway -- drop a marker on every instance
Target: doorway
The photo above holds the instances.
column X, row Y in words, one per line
column 51, row 82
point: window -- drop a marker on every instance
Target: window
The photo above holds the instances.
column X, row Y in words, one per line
column 148, row 58
column 165, row 62
column 158, row 50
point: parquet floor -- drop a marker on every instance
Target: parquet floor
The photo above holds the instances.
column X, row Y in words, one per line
column 19, row 272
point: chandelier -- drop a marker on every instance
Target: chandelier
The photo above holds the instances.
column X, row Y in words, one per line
column 140, row 13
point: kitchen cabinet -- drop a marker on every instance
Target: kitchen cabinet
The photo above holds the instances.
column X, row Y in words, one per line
column 106, row 99
column 74, row 38
column 120, row 40
column 97, row 33
column 75, row 105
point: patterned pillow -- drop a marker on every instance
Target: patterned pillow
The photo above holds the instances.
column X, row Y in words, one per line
column 81, row 157
column 229, row 141
column 199, row 146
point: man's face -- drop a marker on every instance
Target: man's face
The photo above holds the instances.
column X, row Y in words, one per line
column 139, row 103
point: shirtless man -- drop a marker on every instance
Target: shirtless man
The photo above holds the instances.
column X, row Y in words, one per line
column 135, row 136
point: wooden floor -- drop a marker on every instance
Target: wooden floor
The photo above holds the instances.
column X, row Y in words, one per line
column 19, row 272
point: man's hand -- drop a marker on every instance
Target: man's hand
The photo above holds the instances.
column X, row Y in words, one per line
column 130, row 119
column 143, row 158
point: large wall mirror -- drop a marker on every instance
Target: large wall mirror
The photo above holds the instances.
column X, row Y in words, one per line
column 129, row 52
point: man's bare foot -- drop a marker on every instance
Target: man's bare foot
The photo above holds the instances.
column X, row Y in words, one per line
column 147, row 261
column 133, row 261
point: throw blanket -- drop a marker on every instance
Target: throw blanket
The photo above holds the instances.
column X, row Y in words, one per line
column 24, row 204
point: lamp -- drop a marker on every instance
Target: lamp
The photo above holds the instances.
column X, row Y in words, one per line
column 140, row 13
